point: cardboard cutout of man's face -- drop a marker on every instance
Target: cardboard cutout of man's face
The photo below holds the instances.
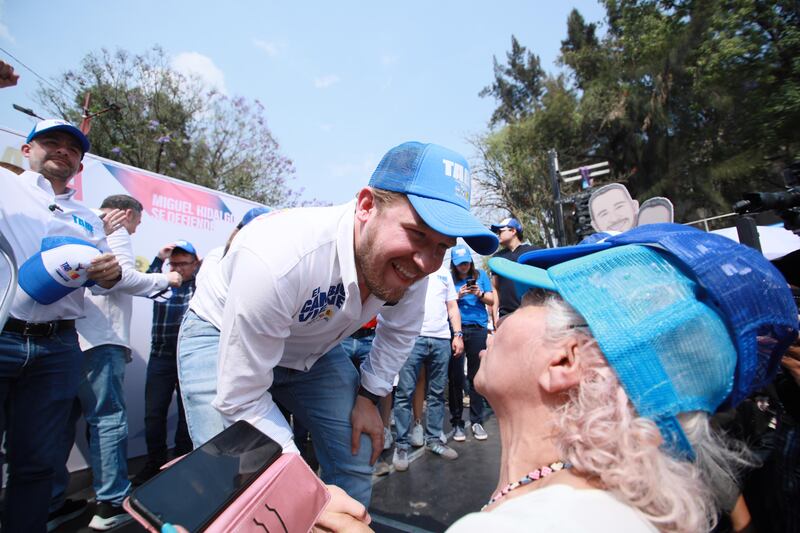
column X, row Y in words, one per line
column 612, row 208
column 656, row 210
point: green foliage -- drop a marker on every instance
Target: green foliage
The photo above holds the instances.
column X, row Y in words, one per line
column 174, row 125
column 695, row 100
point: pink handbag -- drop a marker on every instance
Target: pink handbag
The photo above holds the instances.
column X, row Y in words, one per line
column 288, row 497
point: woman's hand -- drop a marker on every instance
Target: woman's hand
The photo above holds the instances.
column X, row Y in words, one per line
column 343, row 513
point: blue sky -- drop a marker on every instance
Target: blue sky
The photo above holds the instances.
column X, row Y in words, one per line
column 342, row 81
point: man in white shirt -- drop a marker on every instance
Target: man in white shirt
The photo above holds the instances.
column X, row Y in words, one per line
column 40, row 359
column 299, row 281
column 104, row 335
column 432, row 349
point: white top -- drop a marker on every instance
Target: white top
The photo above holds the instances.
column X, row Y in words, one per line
column 210, row 262
column 108, row 317
column 558, row 509
column 440, row 291
column 211, row 289
column 26, row 218
column 293, row 295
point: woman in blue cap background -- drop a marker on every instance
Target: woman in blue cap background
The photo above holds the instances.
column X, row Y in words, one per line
column 474, row 294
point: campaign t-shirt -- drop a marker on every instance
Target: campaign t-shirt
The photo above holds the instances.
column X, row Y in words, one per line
column 506, row 291
column 473, row 311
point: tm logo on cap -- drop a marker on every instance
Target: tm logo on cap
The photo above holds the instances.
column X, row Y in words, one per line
column 461, row 176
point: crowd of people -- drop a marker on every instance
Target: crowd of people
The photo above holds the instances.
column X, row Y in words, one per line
column 603, row 366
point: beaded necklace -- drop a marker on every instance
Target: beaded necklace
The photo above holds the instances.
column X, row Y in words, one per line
column 530, row 477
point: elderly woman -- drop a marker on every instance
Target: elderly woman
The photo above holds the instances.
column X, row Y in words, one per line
column 603, row 381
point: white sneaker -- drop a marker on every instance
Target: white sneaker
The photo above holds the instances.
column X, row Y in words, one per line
column 445, row 452
column 388, row 440
column 417, row 437
column 478, row 432
column 400, row 460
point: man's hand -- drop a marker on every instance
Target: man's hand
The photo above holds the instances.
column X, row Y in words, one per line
column 458, row 346
column 105, row 270
column 365, row 418
column 113, row 220
column 166, row 251
column 343, row 513
column 174, row 279
column 8, row 78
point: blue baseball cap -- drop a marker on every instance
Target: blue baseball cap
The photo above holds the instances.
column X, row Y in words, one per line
column 688, row 320
column 437, row 182
column 57, row 269
column 54, row 124
column 186, row 246
column 460, row 254
column 507, row 223
column 251, row 214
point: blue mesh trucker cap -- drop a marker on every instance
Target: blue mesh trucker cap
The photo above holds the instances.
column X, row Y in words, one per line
column 688, row 320
column 54, row 124
column 437, row 182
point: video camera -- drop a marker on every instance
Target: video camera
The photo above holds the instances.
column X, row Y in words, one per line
column 786, row 204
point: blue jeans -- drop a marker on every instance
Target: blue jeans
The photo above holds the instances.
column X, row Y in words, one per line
column 198, row 348
column 322, row 400
column 435, row 355
column 39, row 379
column 161, row 383
column 358, row 349
column 474, row 342
column 101, row 399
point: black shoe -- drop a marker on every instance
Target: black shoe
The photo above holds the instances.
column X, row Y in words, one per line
column 107, row 516
column 69, row 509
column 150, row 469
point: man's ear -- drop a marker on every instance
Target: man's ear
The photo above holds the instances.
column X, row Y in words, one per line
column 365, row 204
column 25, row 149
column 563, row 369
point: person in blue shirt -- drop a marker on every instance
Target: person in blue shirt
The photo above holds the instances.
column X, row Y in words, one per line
column 474, row 294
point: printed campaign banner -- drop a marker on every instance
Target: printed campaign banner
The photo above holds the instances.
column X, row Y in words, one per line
column 173, row 210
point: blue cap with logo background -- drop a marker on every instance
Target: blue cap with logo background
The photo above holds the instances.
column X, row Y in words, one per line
column 186, row 246
column 507, row 223
column 437, row 182
column 460, row 254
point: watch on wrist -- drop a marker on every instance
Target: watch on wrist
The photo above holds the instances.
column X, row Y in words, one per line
column 374, row 398
column 458, row 334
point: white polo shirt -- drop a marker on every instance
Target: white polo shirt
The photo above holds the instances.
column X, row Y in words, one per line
column 108, row 317
column 26, row 218
column 292, row 296
column 440, row 291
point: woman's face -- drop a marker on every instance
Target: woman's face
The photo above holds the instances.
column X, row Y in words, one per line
column 513, row 355
column 463, row 268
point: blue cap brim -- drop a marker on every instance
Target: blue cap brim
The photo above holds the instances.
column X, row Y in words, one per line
column 455, row 221
column 524, row 277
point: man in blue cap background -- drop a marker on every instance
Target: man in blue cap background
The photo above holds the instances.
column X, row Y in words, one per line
column 40, row 359
column 162, row 366
column 509, row 231
column 301, row 280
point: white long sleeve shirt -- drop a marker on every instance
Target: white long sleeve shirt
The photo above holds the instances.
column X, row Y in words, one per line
column 26, row 219
column 292, row 296
column 108, row 317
